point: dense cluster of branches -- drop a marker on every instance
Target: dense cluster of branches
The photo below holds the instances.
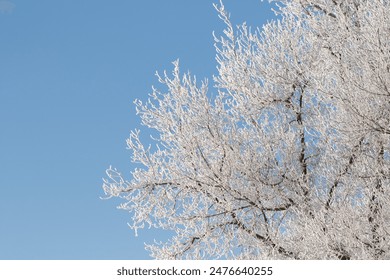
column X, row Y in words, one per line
column 291, row 157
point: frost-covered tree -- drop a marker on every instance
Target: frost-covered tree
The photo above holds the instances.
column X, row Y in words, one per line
column 288, row 156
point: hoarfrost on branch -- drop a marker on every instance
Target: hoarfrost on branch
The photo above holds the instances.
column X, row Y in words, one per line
column 290, row 158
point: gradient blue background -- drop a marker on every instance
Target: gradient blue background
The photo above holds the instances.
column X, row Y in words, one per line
column 69, row 72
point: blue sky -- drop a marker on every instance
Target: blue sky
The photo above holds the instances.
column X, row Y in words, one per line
column 69, row 72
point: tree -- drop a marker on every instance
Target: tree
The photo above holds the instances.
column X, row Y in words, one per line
column 291, row 157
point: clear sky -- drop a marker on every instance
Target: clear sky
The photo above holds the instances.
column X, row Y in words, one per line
column 69, row 72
